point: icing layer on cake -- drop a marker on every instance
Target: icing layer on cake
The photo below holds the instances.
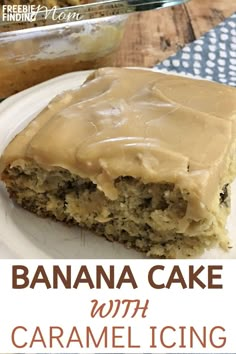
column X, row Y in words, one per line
column 148, row 125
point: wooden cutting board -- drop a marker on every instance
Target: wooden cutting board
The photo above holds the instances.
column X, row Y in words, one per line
column 154, row 35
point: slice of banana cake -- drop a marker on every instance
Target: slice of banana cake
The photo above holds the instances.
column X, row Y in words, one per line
column 137, row 156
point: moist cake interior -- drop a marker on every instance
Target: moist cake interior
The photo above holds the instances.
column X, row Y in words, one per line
column 142, row 158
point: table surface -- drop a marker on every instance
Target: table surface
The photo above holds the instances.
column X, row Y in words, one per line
column 153, row 36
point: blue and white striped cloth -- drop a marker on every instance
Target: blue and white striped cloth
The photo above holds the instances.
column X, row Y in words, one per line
column 213, row 56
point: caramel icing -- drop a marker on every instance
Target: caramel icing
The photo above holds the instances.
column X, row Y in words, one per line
column 139, row 123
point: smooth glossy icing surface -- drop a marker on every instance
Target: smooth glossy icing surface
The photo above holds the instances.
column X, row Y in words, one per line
column 126, row 122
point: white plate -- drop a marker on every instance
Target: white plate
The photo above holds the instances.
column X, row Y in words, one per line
column 24, row 235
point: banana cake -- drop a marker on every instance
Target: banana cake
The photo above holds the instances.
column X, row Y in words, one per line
column 139, row 157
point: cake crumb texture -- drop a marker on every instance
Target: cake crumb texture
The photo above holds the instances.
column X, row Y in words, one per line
column 140, row 157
